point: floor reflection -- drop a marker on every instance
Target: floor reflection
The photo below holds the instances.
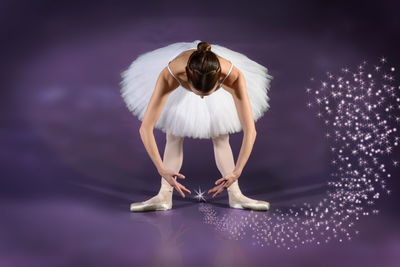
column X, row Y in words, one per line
column 168, row 251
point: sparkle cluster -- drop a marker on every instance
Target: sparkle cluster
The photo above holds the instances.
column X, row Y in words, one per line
column 358, row 109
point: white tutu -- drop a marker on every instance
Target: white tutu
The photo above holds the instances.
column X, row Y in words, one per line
column 185, row 113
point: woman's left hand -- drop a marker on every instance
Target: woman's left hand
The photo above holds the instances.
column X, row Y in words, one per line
column 224, row 182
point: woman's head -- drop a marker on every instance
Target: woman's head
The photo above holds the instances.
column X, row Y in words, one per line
column 203, row 69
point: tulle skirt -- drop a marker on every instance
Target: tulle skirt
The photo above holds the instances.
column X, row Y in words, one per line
column 185, row 113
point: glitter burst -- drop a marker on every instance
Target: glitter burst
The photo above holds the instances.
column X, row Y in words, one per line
column 359, row 109
column 200, row 195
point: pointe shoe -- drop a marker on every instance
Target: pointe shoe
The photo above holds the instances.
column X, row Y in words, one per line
column 143, row 206
column 161, row 201
column 258, row 205
column 239, row 201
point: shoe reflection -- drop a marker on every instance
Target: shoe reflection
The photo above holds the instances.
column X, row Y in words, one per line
column 169, row 248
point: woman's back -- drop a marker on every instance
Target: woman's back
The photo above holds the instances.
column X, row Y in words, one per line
column 177, row 68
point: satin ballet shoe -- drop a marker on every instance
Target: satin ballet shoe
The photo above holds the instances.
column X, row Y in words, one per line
column 259, row 205
column 161, row 201
column 239, row 201
column 142, row 206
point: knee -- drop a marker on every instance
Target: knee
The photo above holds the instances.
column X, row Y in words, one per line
column 222, row 139
column 173, row 138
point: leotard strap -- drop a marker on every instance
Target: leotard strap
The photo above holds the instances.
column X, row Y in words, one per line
column 173, row 75
column 229, row 72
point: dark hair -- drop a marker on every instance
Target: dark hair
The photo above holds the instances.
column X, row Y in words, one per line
column 203, row 69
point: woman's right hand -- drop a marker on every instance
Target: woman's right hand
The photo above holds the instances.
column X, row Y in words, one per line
column 170, row 176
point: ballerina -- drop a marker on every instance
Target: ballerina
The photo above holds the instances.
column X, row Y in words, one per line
column 204, row 91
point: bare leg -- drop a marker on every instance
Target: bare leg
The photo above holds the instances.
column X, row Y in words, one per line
column 226, row 164
column 172, row 159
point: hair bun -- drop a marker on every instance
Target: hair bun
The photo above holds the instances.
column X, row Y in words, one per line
column 203, row 46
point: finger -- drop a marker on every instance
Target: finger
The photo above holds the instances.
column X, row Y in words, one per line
column 180, row 191
column 227, row 184
column 185, row 189
column 212, row 189
column 221, row 185
column 218, row 192
column 180, row 176
column 220, row 180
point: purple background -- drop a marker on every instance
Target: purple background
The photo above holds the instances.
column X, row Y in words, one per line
column 71, row 156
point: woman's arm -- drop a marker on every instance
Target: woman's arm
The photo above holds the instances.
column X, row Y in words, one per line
column 164, row 86
column 245, row 114
column 236, row 85
column 151, row 115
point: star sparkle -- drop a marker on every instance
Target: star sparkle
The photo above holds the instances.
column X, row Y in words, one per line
column 360, row 118
column 200, row 195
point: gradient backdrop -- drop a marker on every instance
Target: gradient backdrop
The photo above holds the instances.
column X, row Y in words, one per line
column 72, row 159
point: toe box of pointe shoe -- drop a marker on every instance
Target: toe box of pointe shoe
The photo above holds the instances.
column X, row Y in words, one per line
column 140, row 206
column 260, row 206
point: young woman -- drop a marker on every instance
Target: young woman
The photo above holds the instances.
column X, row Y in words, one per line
column 198, row 90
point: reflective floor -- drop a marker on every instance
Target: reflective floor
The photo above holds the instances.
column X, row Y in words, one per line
column 95, row 232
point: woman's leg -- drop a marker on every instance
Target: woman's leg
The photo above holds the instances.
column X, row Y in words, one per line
column 226, row 164
column 172, row 159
